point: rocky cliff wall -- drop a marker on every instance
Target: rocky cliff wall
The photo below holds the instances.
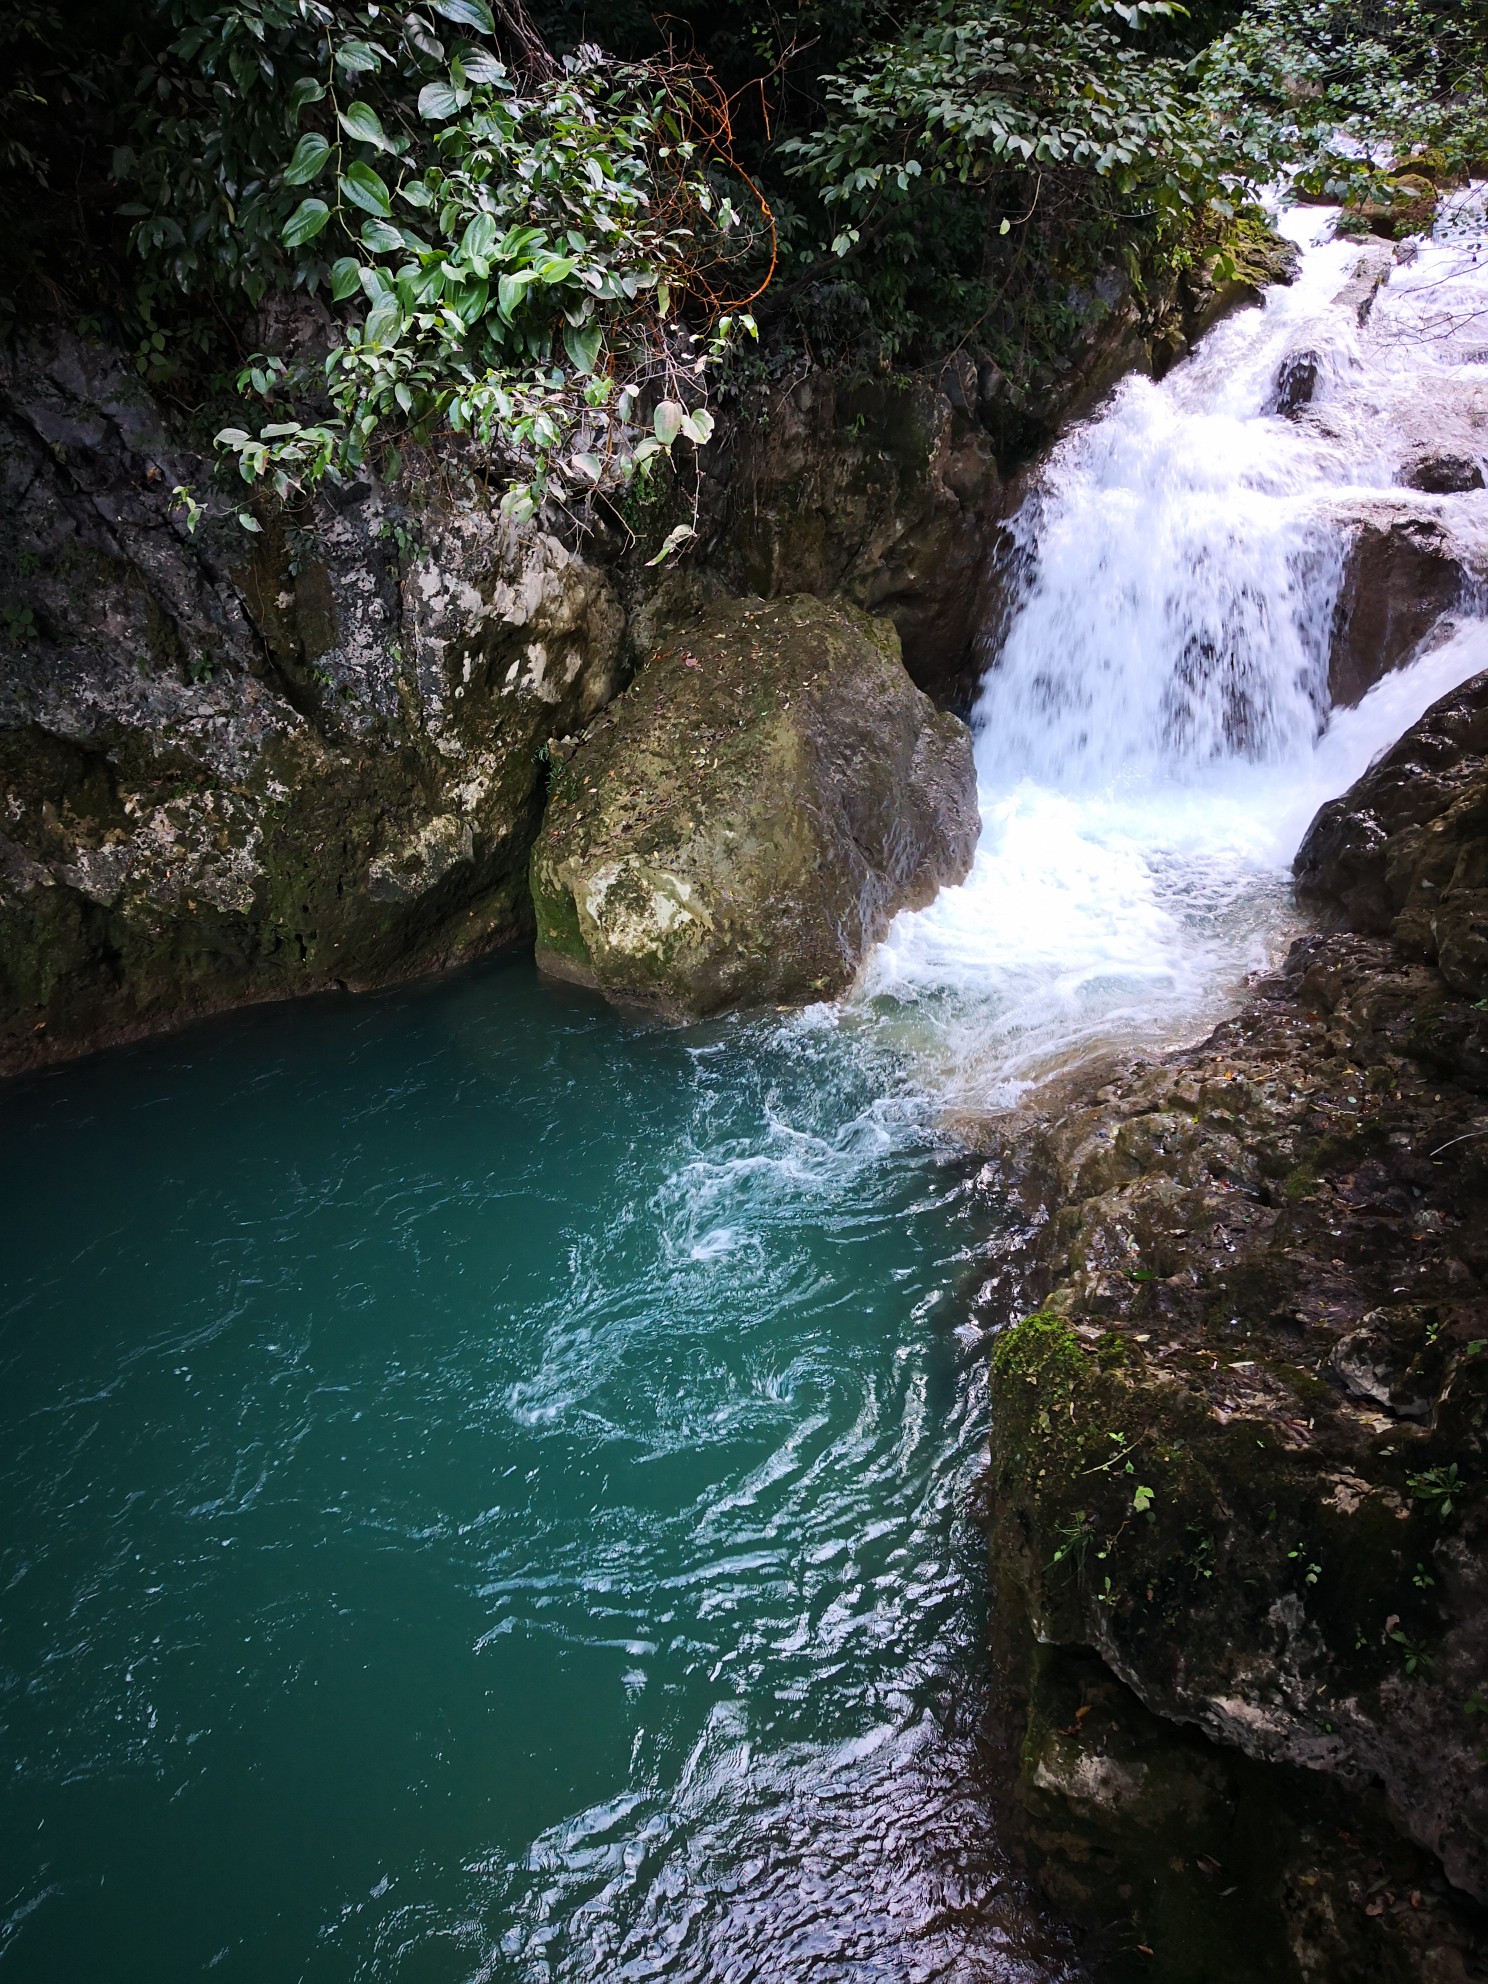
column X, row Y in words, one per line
column 238, row 765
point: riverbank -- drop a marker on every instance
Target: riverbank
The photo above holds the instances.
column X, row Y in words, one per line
column 1236, row 1502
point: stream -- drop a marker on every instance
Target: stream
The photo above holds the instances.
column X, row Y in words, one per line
column 486, row 1482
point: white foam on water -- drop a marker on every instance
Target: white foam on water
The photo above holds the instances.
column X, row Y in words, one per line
column 1153, row 734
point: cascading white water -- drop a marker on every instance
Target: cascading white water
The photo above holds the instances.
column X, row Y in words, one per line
column 1154, row 734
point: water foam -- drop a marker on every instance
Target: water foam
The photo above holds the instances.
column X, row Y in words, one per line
column 1153, row 733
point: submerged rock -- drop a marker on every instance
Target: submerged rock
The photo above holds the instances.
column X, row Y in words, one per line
column 742, row 823
column 1445, row 474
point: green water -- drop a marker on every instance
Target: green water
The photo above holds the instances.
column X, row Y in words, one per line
column 482, row 1496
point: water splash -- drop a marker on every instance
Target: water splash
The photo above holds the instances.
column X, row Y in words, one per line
column 1153, row 733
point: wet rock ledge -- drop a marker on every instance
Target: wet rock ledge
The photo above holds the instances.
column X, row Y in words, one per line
column 1238, row 1498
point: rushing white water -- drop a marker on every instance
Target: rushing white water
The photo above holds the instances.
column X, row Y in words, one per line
column 1154, row 734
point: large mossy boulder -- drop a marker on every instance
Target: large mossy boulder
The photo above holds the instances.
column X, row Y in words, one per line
column 741, row 825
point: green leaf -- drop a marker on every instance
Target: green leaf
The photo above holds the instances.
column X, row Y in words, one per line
column 1142, row 1501
column 308, row 218
column 361, row 121
column 511, row 289
column 467, row 14
column 481, row 67
column 667, row 421
column 364, row 189
column 310, row 154
column 470, row 302
column 438, row 101
column 384, row 322
column 306, row 90
column 381, row 237
column 357, row 58
column 479, row 239
column 582, row 345
column 249, row 521
column 698, row 427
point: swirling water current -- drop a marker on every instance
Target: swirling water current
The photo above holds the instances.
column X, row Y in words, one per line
column 484, row 1492
column 485, row 1482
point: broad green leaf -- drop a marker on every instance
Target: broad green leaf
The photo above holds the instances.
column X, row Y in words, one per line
column 306, row 90
column 481, row 67
column 470, row 302
column 587, row 465
column 310, row 154
column 361, row 121
column 582, row 346
column 308, row 218
column 357, row 58
column 698, row 426
column 364, row 189
column 384, row 322
column 417, row 194
column 249, row 521
column 478, row 240
column 467, row 14
column 346, row 276
column 438, row 101
column 381, row 237
column 555, row 268
column 511, row 288
column 667, row 421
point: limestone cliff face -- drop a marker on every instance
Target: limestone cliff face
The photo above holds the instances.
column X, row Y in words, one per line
column 239, row 766
column 236, row 766
column 742, row 823
column 1239, row 1440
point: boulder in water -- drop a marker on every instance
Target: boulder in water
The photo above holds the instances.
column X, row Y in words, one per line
column 1404, row 852
column 1445, row 475
column 1405, row 571
column 1296, row 382
column 740, row 826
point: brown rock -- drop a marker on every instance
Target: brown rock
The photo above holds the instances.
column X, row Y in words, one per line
column 1404, row 572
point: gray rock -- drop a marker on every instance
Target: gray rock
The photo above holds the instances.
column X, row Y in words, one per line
column 239, row 766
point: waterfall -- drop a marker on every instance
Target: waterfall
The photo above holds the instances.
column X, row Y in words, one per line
column 1154, row 730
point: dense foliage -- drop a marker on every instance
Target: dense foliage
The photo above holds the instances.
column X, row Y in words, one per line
column 545, row 230
column 1340, row 92
column 1053, row 124
column 509, row 244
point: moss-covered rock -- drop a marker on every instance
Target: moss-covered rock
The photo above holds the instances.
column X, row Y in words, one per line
column 1239, row 1485
column 239, row 766
column 742, row 823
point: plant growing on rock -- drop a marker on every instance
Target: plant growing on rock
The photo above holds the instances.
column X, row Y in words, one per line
column 530, row 253
column 1034, row 132
column 1343, row 93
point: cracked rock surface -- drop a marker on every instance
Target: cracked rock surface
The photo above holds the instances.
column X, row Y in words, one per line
column 238, row 765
